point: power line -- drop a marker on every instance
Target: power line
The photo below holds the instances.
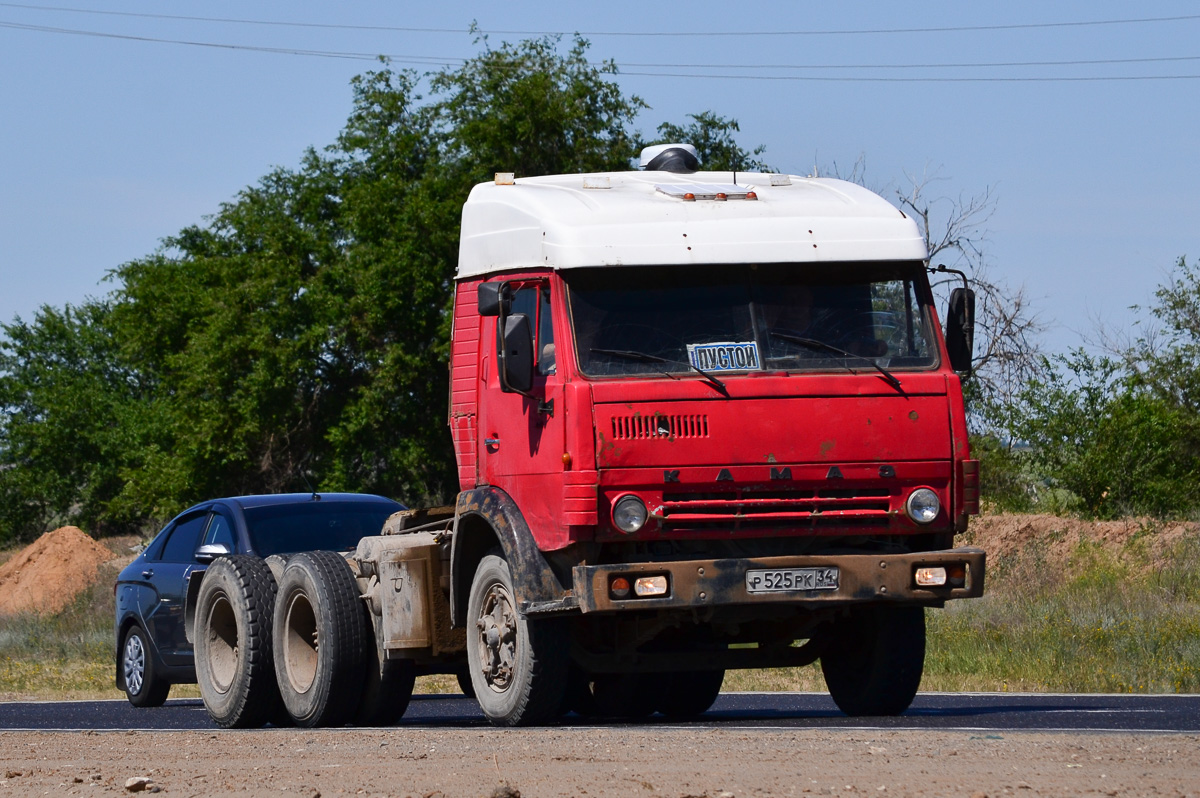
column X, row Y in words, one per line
column 419, row 60
column 869, row 79
column 973, row 65
column 836, row 32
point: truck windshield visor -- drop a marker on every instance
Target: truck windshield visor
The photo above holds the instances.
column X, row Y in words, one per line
column 728, row 319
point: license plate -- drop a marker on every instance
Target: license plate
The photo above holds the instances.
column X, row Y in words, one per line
column 786, row 580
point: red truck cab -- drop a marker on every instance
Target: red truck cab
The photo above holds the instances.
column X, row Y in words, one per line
column 708, row 421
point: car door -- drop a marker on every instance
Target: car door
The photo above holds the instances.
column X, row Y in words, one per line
column 167, row 575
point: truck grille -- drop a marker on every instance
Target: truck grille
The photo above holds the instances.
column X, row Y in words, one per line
column 763, row 509
column 641, row 427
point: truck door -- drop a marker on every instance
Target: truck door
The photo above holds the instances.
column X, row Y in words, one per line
column 521, row 437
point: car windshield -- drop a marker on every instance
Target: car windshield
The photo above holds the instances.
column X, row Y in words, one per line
column 747, row 317
column 307, row 526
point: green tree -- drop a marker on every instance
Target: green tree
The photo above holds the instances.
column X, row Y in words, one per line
column 1122, row 436
column 75, row 416
column 301, row 334
column 713, row 137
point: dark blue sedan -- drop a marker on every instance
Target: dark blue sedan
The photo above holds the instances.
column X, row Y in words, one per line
column 153, row 651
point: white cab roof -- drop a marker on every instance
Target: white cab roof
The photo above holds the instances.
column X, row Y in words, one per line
column 557, row 222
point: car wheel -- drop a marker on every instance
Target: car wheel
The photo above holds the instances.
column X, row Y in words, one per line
column 518, row 665
column 320, row 640
column 143, row 687
column 874, row 660
column 235, row 668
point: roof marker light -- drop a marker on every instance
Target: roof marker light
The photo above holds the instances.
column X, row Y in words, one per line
column 689, row 197
column 750, row 195
column 781, row 180
column 505, row 178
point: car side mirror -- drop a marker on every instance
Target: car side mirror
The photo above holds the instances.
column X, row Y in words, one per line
column 960, row 329
column 516, row 354
column 211, row 551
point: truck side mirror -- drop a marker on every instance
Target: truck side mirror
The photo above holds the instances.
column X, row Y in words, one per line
column 516, row 354
column 960, row 329
column 489, row 299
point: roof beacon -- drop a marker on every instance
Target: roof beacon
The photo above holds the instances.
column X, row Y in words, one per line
column 678, row 158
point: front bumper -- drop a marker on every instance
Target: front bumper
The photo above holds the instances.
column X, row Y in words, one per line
column 863, row 578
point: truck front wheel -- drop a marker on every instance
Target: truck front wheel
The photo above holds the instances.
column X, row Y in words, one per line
column 518, row 665
column 874, row 659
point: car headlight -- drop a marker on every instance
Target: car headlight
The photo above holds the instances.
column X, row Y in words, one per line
column 629, row 514
column 923, row 505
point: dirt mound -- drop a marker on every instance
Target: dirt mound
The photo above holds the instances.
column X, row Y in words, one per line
column 47, row 574
column 1006, row 537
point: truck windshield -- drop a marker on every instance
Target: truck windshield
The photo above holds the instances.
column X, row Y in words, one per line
column 746, row 317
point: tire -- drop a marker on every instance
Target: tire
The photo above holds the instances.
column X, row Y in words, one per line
column 624, row 695
column 463, row 676
column 578, row 696
column 518, row 665
column 320, row 640
column 235, row 668
column 143, row 687
column 874, row 660
column 688, row 694
column 386, row 691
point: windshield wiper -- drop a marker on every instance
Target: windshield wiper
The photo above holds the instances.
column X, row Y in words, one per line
column 645, row 357
column 813, row 343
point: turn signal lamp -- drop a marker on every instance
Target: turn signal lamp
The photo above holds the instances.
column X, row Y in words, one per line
column 618, row 588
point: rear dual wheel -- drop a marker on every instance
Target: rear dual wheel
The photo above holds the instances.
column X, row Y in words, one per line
column 319, row 639
column 326, row 660
column 235, row 666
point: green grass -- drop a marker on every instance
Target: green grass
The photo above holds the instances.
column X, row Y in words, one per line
column 69, row 654
column 1101, row 622
column 1104, row 623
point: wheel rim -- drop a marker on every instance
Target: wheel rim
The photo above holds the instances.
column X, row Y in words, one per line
column 300, row 644
column 497, row 638
column 134, row 664
column 221, row 649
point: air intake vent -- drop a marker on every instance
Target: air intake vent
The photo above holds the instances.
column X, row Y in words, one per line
column 659, row 426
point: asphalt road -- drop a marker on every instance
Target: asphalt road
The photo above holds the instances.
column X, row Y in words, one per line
column 981, row 712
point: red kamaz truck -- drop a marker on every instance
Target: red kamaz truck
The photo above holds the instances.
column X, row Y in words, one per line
column 702, row 420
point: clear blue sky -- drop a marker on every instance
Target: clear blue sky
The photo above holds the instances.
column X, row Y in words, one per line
column 109, row 144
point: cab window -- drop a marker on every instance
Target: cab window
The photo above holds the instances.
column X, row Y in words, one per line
column 533, row 299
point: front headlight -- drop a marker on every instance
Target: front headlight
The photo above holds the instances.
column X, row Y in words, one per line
column 629, row 514
column 923, row 506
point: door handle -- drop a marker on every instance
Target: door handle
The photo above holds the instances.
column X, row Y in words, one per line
column 491, row 441
column 149, row 572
